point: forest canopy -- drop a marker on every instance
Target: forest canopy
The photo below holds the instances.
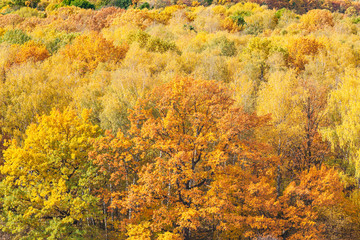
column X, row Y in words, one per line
column 186, row 120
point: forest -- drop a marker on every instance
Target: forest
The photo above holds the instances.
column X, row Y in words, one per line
column 169, row 120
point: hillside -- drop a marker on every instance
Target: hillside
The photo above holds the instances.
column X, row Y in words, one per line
column 186, row 120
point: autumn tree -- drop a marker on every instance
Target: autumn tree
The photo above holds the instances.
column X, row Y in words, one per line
column 87, row 51
column 29, row 51
column 118, row 163
column 46, row 191
column 306, row 203
column 316, row 19
column 300, row 49
column 191, row 135
column 343, row 108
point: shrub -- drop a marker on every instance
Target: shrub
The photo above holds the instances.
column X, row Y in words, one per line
column 79, row 3
column 15, row 36
column 28, row 12
column 122, row 3
column 145, row 5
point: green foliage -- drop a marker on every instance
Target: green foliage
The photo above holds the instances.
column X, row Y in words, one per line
column 356, row 20
column 280, row 12
column 152, row 44
column 139, row 36
column 156, row 44
column 82, row 4
column 227, row 47
column 79, row 3
column 145, row 5
column 121, row 3
column 60, row 41
column 238, row 17
column 15, row 36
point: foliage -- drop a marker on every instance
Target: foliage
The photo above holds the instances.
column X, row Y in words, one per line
column 264, row 146
column 186, row 134
column 153, row 44
column 145, row 5
column 79, row 3
column 15, row 36
column 122, row 3
column 29, row 51
column 317, row 19
column 50, row 173
column 299, row 49
column 28, row 12
column 239, row 18
column 87, row 51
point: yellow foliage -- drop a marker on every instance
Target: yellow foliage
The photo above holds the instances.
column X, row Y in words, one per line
column 165, row 15
column 139, row 231
column 248, row 6
column 87, row 51
column 344, row 107
column 316, row 19
column 169, row 236
column 51, row 181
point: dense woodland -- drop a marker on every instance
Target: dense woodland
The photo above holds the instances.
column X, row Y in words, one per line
column 179, row 120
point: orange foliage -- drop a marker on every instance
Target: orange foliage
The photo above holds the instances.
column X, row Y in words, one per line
column 192, row 136
column 87, row 51
column 10, row 20
column 229, row 25
column 299, row 49
column 29, row 51
column 302, row 203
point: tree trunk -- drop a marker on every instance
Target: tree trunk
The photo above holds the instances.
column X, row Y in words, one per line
column 186, row 233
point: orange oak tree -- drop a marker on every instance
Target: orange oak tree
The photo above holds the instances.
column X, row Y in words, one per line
column 190, row 136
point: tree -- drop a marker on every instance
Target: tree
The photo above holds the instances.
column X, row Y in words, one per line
column 299, row 49
column 118, row 163
column 304, row 204
column 46, row 191
column 87, row 51
column 29, row 51
column 190, row 136
column 343, row 109
column 316, row 19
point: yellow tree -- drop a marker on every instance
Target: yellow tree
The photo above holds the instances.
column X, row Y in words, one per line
column 46, row 189
column 87, row 51
column 344, row 109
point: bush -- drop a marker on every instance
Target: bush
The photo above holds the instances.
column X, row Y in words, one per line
column 122, row 3
column 158, row 45
column 227, row 47
column 15, row 36
column 145, row 5
column 79, row 3
column 28, row 12
column 82, row 4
